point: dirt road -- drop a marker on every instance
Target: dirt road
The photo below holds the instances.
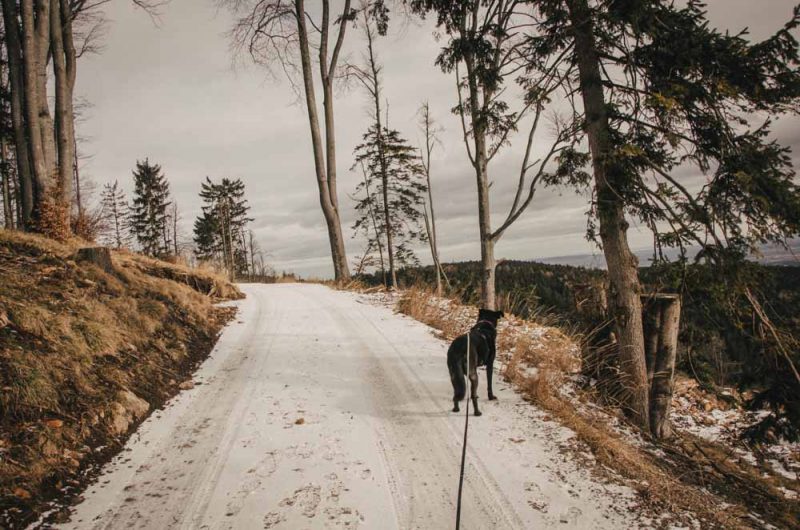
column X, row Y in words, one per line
column 319, row 410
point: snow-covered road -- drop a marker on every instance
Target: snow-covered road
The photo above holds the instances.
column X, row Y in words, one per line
column 319, row 410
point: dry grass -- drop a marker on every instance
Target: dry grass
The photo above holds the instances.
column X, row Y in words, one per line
column 538, row 367
column 73, row 337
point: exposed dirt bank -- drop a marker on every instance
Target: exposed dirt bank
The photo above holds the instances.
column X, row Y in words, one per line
column 85, row 355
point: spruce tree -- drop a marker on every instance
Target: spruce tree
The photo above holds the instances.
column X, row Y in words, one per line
column 206, row 237
column 221, row 230
column 391, row 196
column 656, row 90
column 116, row 215
column 149, row 209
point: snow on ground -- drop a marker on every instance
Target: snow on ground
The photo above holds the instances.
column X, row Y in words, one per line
column 323, row 409
column 693, row 410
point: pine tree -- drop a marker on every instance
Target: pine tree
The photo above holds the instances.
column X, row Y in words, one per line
column 391, row 194
column 658, row 89
column 221, row 230
column 116, row 213
column 206, row 237
column 149, row 210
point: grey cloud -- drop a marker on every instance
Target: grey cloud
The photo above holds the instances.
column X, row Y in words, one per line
column 171, row 94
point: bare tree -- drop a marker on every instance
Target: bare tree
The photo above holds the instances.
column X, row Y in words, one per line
column 175, row 217
column 276, row 33
column 486, row 39
column 41, row 31
column 430, row 131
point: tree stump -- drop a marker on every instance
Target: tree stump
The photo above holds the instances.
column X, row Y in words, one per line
column 661, row 321
column 100, row 256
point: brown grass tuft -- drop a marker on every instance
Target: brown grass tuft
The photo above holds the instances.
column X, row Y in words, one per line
column 539, row 367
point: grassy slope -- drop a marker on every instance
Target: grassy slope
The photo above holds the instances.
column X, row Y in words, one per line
column 85, row 355
column 674, row 478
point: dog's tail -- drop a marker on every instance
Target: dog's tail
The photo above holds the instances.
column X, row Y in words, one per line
column 456, row 367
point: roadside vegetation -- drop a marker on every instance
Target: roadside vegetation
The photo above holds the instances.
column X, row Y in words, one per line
column 744, row 356
column 86, row 353
column 687, row 476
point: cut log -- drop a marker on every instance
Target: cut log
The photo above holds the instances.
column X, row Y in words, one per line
column 100, row 256
column 661, row 320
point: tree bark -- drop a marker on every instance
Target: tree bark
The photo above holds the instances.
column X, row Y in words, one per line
column 46, row 125
column 661, row 349
column 16, row 80
column 481, row 164
column 30, row 55
column 326, row 176
column 375, row 227
column 624, row 302
column 8, row 212
column 64, row 124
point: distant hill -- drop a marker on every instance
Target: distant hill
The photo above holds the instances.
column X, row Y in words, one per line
column 770, row 255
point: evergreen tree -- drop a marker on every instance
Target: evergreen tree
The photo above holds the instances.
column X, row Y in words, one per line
column 392, row 194
column 207, row 238
column 116, row 213
column 658, row 89
column 220, row 232
column 149, row 210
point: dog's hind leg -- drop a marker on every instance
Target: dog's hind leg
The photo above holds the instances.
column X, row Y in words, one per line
column 489, row 374
column 459, row 388
column 473, row 380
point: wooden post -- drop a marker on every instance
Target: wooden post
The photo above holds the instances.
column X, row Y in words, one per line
column 661, row 321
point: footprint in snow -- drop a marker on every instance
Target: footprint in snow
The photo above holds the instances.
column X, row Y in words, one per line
column 306, row 498
column 273, row 519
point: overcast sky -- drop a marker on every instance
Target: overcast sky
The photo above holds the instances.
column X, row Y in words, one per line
column 170, row 93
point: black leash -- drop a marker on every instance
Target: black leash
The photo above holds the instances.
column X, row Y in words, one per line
column 464, row 447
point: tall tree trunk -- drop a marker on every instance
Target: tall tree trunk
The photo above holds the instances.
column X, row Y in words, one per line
column 430, row 219
column 8, row 212
column 376, row 97
column 30, row 58
column 117, row 227
column 44, row 52
column 16, row 80
column 372, row 217
column 64, row 127
column 432, row 232
column 326, row 176
column 175, row 228
column 624, row 302
column 481, row 164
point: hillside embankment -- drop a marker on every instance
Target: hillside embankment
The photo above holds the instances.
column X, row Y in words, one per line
column 87, row 351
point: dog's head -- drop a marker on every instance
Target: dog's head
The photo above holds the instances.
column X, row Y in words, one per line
column 490, row 316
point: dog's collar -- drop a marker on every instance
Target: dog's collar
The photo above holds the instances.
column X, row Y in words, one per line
column 485, row 322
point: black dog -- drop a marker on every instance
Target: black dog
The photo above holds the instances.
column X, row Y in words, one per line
column 482, row 350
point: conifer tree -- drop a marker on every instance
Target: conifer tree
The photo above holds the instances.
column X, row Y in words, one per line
column 220, row 232
column 149, row 209
column 391, row 195
column 657, row 88
column 116, row 213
